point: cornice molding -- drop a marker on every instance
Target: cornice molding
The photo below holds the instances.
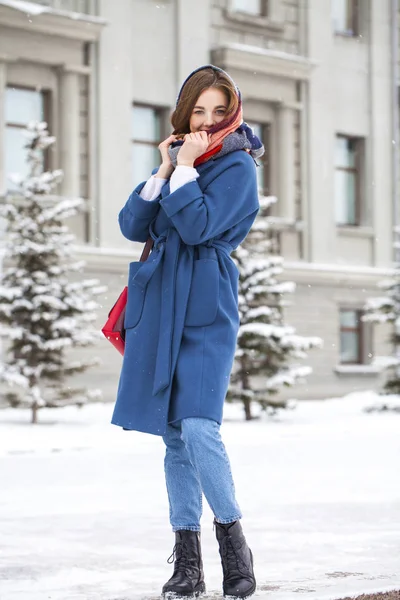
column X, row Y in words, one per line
column 6, row 58
column 108, row 260
column 334, row 274
column 116, row 260
column 263, row 61
column 55, row 23
column 62, row 68
column 76, row 69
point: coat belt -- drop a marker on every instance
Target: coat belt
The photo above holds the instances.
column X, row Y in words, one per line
column 166, row 254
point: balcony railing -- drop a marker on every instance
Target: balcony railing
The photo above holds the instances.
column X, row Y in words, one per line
column 86, row 7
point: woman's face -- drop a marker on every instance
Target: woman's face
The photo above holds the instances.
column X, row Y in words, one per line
column 210, row 109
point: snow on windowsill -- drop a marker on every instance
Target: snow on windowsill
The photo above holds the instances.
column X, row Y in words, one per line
column 259, row 21
column 339, row 268
column 358, row 369
column 269, row 52
column 356, row 231
column 33, row 9
column 30, row 8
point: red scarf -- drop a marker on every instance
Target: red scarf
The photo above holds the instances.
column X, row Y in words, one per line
column 204, row 157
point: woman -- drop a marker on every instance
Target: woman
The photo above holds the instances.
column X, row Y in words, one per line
column 182, row 317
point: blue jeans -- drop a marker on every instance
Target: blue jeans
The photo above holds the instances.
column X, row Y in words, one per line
column 196, row 462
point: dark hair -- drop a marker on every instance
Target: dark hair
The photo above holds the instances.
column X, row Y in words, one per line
column 193, row 88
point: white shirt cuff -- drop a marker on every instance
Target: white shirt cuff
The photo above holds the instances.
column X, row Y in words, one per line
column 152, row 188
column 181, row 176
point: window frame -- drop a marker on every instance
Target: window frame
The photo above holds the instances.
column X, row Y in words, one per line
column 160, row 111
column 274, row 21
column 355, row 21
column 266, row 140
column 360, row 330
column 357, row 170
column 47, row 115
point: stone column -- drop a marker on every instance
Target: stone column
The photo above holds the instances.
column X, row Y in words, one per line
column 380, row 172
column 115, row 94
column 3, row 76
column 69, row 142
column 70, row 145
column 286, row 200
column 193, row 32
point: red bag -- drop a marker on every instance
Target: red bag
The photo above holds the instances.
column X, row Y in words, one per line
column 114, row 328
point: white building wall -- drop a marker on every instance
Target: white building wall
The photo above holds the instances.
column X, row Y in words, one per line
column 350, row 93
column 114, row 99
column 294, row 73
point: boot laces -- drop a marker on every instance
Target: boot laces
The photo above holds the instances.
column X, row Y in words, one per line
column 180, row 554
column 233, row 563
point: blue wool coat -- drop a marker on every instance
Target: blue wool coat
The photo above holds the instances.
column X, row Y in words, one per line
column 182, row 312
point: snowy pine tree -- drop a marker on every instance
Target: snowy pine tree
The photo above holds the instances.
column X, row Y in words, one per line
column 267, row 348
column 386, row 309
column 43, row 313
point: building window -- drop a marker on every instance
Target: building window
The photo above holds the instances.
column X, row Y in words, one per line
column 21, row 107
column 262, row 130
column 355, row 338
column 146, row 136
column 345, row 16
column 250, row 7
column 347, row 180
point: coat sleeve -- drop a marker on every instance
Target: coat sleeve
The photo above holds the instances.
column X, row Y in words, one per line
column 136, row 216
column 228, row 199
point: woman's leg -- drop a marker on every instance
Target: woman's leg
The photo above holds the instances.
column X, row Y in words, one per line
column 185, row 508
column 183, row 485
column 207, row 454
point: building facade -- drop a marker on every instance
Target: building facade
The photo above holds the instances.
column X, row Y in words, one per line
column 319, row 80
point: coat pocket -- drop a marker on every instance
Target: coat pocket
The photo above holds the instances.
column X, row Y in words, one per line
column 136, row 296
column 204, row 294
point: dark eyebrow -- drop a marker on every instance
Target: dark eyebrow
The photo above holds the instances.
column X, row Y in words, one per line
column 220, row 106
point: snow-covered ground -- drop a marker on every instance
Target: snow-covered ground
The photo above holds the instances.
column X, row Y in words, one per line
column 84, row 516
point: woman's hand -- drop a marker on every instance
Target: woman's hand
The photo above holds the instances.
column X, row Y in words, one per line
column 195, row 145
column 166, row 168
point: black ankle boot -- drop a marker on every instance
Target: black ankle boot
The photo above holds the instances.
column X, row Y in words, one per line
column 236, row 559
column 188, row 577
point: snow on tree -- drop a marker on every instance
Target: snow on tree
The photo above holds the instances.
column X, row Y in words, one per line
column 44, row 311
column 267, row 348
column 386, row 309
